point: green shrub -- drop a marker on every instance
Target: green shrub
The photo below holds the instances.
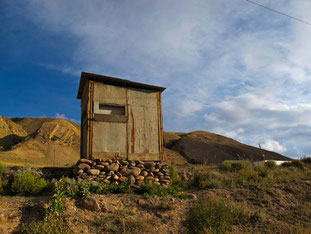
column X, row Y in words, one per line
column 81, row 188
column 151, row 189
column 3, row 184
column 306, row 160
column 3, row 169
column 234, row 165
column 248, row 177
column 209, row 180
column 28, row 183
column 174, row 173
column 270, row 164
column 3, row 181
column 53, row 220
column 209, row 215
column 281, row 176
column 51, row 224
column 262, row 171
column 215, row 215
column 294, row 163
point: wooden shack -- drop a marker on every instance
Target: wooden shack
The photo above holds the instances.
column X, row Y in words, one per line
column 120, row 119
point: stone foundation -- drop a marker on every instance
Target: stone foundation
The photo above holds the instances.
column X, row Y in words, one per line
column 117, row 171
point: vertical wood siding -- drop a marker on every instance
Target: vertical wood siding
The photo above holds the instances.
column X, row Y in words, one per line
column 137, row 139
column 109, row 139
column 143, row 131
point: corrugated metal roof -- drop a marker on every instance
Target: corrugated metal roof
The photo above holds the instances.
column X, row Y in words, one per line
column 85, row 77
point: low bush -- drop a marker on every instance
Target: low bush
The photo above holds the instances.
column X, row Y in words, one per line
column 209, row 180
column 270, row 164
column 262, row 171
column 215, row 215
column 306, row 160
column 209, row 215
column 3, row 169
column 28, row 183
column 151, row 189
column 3, row 184
column 235, row 165
column 247, row 177
column 81, row 188
column 50, row 224
column 174, row 173
column 294, row 163
column 53, row 220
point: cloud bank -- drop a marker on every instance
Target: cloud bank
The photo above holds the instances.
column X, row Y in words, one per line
column 230, row 67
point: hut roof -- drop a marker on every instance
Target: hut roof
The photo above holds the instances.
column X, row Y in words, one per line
column 85, row 77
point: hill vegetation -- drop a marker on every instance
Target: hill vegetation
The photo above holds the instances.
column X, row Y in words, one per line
column 234, row 197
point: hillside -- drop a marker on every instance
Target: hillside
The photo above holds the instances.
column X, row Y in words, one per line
column 56, row 142
column 39, row 141
column 206, row 147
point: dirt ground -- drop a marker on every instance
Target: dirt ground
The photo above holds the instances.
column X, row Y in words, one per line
column 285, row 210
column 157, row 215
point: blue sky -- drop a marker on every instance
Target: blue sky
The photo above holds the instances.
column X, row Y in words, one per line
column 230, row 67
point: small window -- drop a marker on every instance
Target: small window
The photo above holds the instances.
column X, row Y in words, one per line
column 111, row 109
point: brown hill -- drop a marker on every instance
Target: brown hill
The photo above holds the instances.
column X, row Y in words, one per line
column 39, row 141
column 56, row 142
column 206, row 147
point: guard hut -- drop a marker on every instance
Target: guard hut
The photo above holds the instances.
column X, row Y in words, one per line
column 120, row 119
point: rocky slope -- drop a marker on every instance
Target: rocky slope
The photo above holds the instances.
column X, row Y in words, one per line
column 39, row 141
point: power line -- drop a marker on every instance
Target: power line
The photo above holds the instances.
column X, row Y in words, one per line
column 268, row 8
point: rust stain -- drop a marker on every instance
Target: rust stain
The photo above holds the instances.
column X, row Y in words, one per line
column 127, row 113
column 147, row 151
column 132, row 133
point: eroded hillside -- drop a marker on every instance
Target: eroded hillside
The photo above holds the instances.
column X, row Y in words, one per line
column 39, row 141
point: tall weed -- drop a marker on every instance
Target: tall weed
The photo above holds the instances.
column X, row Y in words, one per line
column 28, row 183
column 235, row 165
column 215, row 215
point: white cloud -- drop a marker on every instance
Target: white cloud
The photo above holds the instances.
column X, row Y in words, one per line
column 189, row 108
column 60, row 116
column 272, row 145
column 244, row 73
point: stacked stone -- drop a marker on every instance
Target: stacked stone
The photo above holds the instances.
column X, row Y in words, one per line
column 117, row 171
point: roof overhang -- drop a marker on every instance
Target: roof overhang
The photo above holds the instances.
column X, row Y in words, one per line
column 85, row 77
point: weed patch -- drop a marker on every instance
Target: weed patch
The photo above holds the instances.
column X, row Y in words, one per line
column 235, row 165
column 215, row 215
column 209, row 180
column 81, row 188
column 151, row 189
column 3, row 169
column 306, row 160
column 121, row 222
column 53, row 221
column 28, row 183
column 50, row 224
column 270, row 164
column 294, row 163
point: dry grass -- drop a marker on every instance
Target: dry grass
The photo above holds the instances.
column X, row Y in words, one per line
column 122, row 222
